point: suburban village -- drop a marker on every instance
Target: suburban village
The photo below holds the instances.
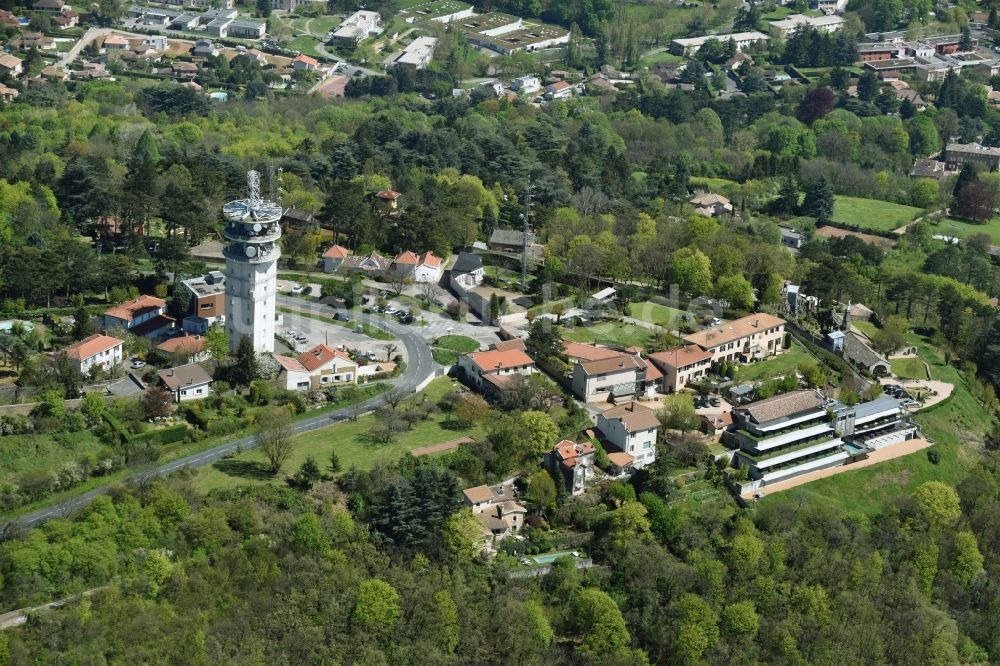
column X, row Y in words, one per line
column 435, row 332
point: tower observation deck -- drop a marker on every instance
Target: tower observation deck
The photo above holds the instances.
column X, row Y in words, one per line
column 252, row 232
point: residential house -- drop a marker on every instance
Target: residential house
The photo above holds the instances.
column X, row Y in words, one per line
column 187, row 382
column 48, row 5
column 244, row 29
column 52, row 73
column 489, row 371
column 8, row 19
column 468, row 270
column 510, row 241
column 858, row 351
column 632, row 429
column 320, row 367
column 578, row 352
column 739, row 61
column 156, row 42
column 960, row 154
column 681, row 365
column 204, row 48
column 143, row 316
column 257, row 55
column 11, row 66
column 417, row 55
column 184, row 71
column 712, row 205
column 185, row 347
column 930, row 168
column 98, row 350
column 66, row 20
column 574, row 462
column 616, row 379
column 33, row 40
column 388, row 199
column 356, row 28
column 208, row 302
column 334, row 257
column 790, row 435
column 304, row 63
column 115, row 43
column 558, row 90
column 790, row 238
column 526, row 85
column 426, row 267
column 497, row 508
column 296, row 218
column 373, row 264
column 8, row 95
column 715, row 424
column 746, row 339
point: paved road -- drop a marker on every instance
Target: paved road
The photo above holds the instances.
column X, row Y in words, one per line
column 420, row 366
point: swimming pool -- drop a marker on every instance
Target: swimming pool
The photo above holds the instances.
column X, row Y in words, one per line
column 8, row 325
column 219, row 96
column 552, row 557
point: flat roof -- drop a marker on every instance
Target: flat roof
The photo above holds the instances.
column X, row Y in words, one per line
column 481, row 22
column 530, row 35
column 430, row 10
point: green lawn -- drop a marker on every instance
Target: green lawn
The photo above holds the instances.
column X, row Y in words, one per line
column 306, row 45
column 949, row 226
column 626, row 335
column 775, row 367
column 29, row 453
column 714, row 184
column 908, row 368
column 956, row 426
column 865, row 327
column 872, row 213
column 447, row 348
column 351, row 440
column 655, row 313
column 662, row 56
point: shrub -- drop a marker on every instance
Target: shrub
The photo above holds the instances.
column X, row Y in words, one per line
column 933, row 457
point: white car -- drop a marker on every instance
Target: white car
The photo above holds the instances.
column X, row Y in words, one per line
column 297, row 289
column 136, row 364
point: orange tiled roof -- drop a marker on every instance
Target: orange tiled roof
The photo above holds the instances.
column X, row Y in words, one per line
column 188, row 344
column 129, row 310
column 588, row 352
column 734, row 330
column 319, row 356
column 406, row 257
column 429, row 259
column 307, row 60
column 489, row 361
column 388, row 195
column 336, row 252
column 680, row 357
column 88, row 347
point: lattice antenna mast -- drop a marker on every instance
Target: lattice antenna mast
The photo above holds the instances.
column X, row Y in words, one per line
column 273, row 184
column 253, row 188
column 524, row 246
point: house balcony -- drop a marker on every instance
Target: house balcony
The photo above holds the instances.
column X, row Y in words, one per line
column 812, row 464
column 795, row 454
column 789, row 436
column 876, row 425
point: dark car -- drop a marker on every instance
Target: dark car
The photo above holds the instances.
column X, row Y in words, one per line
column 341, row 316
column 714, row 401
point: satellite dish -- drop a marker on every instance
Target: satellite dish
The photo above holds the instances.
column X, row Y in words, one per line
column 251, row 251
column 257, row 228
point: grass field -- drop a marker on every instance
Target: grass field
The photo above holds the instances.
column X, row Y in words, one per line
column 872, row 214
column 655, row 313
column 714, row 184
column 956, row 426
column 949, row 226
column 775, row 367
column 865, row 327
column 447, row 348
column 654, row 58
column 29, row 453
column 908, row 368
column 351, row 440
column 305, row 45
column 626, row 335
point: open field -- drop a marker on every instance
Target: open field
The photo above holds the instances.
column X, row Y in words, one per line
column 655, row 58
column 305, row 45
column 714, row 184
column 626, row 335
column 956, row 426
column 775, row 367
column 872, row 213
column 908, row 368
column 20, row 454
column 447, row 348
column 655, row 313
column 351, row 440
column 949, row 226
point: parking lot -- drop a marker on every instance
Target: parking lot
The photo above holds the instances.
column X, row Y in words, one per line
column 299, row 334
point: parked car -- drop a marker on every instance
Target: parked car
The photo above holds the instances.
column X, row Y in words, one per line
column 341, row 316
column 715, row 401
column 297, row 289
column 136, row 364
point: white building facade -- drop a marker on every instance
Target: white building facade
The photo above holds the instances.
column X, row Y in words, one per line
column 252, row 252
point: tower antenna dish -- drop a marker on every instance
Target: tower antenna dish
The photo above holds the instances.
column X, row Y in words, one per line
column 253, row 188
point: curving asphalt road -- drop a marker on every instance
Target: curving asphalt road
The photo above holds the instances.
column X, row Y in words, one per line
column 419, row 366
